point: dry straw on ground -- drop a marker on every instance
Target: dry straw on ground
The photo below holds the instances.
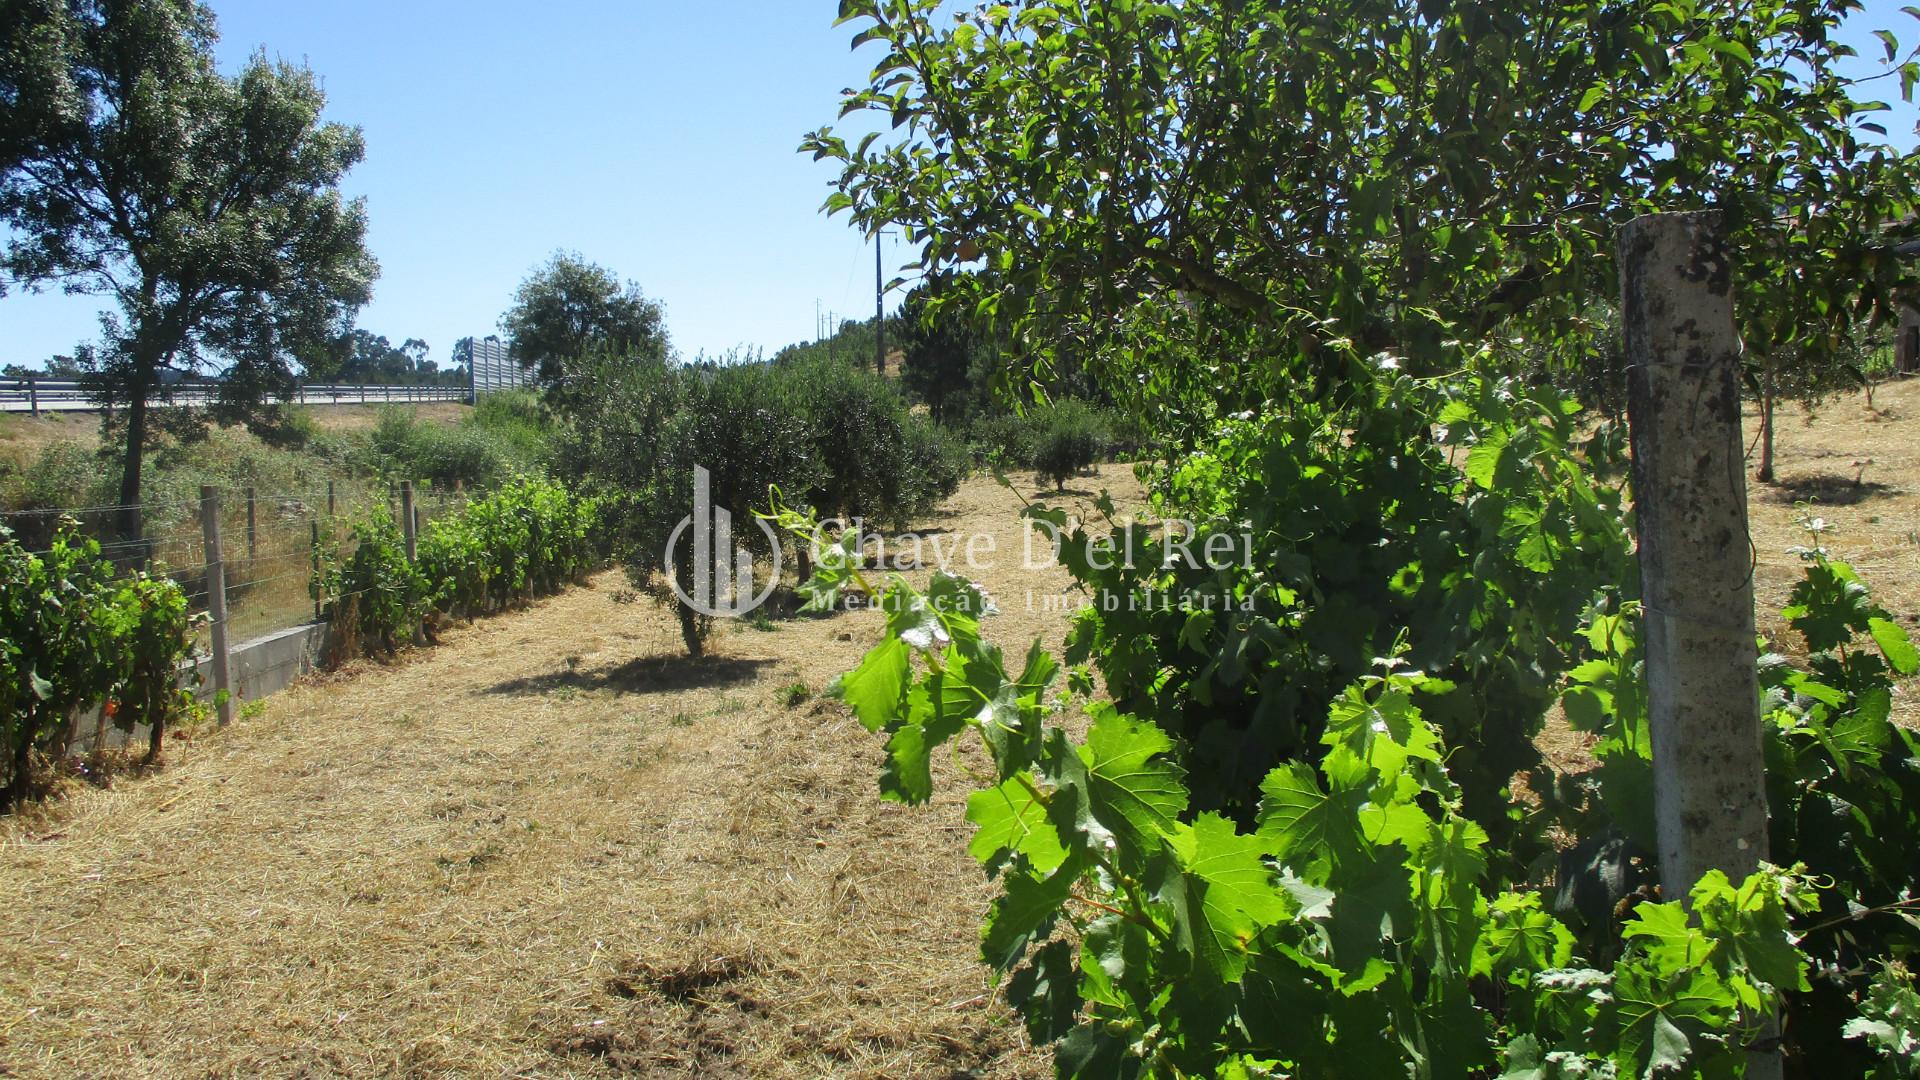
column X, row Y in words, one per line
column 550, row 847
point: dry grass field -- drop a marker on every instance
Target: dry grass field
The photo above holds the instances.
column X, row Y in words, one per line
column 551, row 847
column 554, row 847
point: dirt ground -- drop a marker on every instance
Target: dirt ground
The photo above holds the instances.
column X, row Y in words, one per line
column 550, row 847
column 1857, row 469
column 554, row 847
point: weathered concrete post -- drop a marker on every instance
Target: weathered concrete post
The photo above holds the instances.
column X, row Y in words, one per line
column 314, row 560
column 253, row 529
column 409, row 524
column 216, row 600
column 1696, row 564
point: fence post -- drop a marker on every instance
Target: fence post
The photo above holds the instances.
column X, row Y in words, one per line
column 253, row 532
column 329, row 498
column 33, row 399
column 217, row 601
column 314, row 579
column 409, row 524
column 1696, row 564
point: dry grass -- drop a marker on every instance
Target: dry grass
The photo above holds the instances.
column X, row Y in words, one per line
column 551, row 847
column 22, row 437
column 1873, row 523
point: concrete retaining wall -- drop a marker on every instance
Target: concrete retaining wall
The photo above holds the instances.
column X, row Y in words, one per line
column 263, row 666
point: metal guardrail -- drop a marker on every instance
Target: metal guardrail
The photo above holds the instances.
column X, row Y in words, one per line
column 65, row 395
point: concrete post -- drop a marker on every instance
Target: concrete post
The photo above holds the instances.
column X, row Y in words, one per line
column 217, row 600
column 1696, row 561
column 409, row 524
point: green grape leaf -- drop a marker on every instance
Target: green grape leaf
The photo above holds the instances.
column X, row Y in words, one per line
column 1221, row 892
column 1047, row 992
column 1664, row 933
column 1895, row 645
column 909, row 774
column 1116, row 961
column 1025, row 911
column 1010, row 821
column 876, row 691
column 1659, row 1017
column 1131, row 787
column 1307, row 828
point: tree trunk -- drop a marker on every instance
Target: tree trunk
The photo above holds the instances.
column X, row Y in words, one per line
column 690, row 630
column 1765, row 473
column 129, row 522
column 20, row 784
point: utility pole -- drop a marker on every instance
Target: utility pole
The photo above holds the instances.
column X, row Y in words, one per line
column 879, row 304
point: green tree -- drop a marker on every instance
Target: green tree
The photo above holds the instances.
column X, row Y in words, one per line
column 206, row 207
column 570, row 307
column 946, row 363
column 1230, row 201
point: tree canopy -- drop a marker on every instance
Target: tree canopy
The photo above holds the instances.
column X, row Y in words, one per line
column 206, row 207
column 569, row 308
column 1305, row 188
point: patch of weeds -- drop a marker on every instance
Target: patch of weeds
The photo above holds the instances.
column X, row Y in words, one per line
column 793, row 696
column 681, row 719
column 564, row 693
column 762, row 622
column 254, row 709
column 473, row 861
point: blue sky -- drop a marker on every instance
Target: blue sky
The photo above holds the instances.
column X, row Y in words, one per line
column 655, row 138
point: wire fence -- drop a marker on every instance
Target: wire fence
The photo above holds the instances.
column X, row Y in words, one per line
column 267, row 541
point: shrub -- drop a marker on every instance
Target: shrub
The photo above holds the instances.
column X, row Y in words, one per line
column 1069, row 436
column 1001, row 441
column 529, row 538
column 875, row 458
column 500, row 440
column 517, row 421
column 377, row 595
column 744, row 424
column 934, row 463
column 857, row 424
column 149, row 623
column 71, row 635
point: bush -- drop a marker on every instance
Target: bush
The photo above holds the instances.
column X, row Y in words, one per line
column 71, row 635
column 517, row 420
column 1001, row 441
column 934, row 463
column 856, row 422
column 528, row 539
column 1069, row 437
column 876, row 459
column 838, row 438
column 482, row 451
column 377, row 595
